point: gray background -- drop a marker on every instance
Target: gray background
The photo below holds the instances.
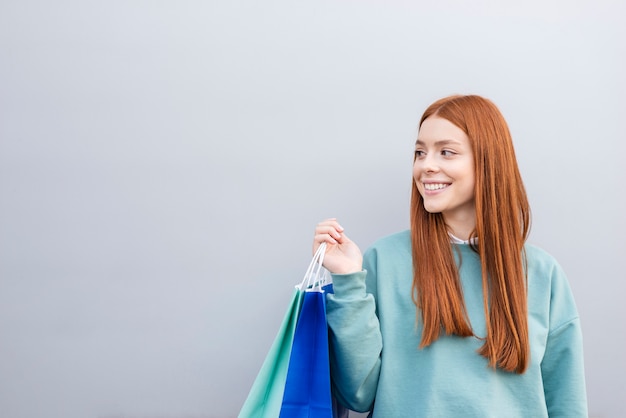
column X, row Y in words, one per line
column 163, row 165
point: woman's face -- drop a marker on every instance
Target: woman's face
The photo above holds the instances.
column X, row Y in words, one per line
column 444, row 172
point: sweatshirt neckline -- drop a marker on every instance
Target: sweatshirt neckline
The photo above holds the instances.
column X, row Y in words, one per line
column 456, row 240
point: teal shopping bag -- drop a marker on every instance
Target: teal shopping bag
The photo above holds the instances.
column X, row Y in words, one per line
column 266, row 395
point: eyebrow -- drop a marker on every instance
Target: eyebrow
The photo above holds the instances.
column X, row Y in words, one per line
column 440, row 142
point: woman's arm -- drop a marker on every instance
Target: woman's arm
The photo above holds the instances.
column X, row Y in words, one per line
column 355, row 341
column 355, row 338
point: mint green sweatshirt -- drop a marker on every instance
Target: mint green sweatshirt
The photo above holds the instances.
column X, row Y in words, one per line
column 376, row 363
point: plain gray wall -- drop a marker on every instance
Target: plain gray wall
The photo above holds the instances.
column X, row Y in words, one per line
column 163, row 165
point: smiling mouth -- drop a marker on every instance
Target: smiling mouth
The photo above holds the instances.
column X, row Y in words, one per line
column 435, row 186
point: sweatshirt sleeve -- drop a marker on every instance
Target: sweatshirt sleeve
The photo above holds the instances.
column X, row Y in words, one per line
column 355, row 339
column 562, row 365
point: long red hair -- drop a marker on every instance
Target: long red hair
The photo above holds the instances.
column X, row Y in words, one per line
column 502, row 227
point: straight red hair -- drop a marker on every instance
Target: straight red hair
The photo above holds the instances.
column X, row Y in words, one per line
column 502, row 227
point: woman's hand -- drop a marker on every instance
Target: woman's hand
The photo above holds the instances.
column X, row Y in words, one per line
column 342, row 255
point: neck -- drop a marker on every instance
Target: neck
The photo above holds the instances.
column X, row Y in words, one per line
column 460, row 228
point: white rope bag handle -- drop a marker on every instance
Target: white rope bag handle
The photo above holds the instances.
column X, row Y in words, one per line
column 316, row 275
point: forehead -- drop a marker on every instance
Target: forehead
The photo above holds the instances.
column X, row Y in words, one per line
column 436, row 129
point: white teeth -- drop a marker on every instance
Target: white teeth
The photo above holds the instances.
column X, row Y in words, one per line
column 434, row 186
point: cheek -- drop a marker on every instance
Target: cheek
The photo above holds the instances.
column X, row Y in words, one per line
column 471, row 176
column 466, row 173
column 416, row 171
column 418, row 184
column 416, row 176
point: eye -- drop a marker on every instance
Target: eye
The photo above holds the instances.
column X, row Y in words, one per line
column 419, row 153
column 447, row 153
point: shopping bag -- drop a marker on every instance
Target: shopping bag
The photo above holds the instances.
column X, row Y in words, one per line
column 266, row 394
column 307, row 388
column 265, row 397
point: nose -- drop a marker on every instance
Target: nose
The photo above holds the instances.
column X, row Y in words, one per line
column 429, row 163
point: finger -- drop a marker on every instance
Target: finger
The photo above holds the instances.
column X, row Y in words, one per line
column 331, row 222
column 330, row 227
column 327, row 238
column 330, row 230
column 319, row 241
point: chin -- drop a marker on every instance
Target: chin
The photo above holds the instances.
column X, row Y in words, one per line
column 432, row 210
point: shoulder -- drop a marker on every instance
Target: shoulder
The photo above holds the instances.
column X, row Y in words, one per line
column 398, row 243
column 539, row 261
column 390, row 252
column 398, row 240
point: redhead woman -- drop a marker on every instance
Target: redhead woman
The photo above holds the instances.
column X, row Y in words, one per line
column 458, row 316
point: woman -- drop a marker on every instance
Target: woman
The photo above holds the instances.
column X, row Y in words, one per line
column 456, row 317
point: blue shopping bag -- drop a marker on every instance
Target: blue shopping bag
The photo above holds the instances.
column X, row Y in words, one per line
column 307, row 388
